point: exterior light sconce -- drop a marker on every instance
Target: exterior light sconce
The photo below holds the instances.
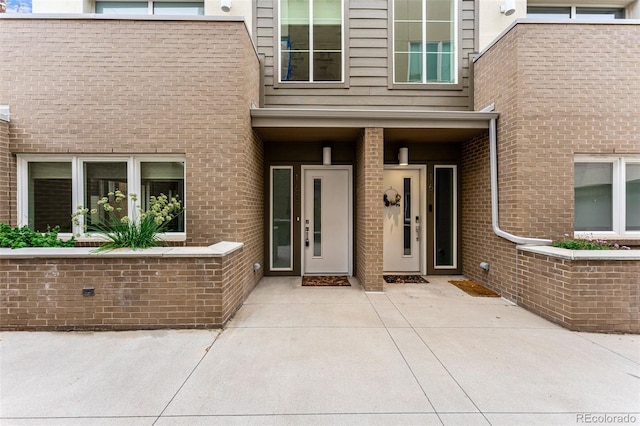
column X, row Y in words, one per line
column 225, row 5
column 403, row 156
column 326, row 156
column 508, row 8
column 484, row 265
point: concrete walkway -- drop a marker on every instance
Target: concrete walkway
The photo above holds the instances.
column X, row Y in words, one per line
column 416, row 354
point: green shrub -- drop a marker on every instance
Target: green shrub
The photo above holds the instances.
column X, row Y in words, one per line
column 138, row 232
column 587, row 244
column 20, row 237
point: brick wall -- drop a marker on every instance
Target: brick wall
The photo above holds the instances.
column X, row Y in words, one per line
column 147, row 86
column 560, row 90
column 130, row 292
column 582, row 295
column 369, row 169
column 5, row 172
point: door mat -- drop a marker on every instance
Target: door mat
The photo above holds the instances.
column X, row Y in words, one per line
column 311, row 280
column 474, row 289
column 404, row 279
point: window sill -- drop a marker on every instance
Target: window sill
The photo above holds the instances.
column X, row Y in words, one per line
column 425, row 86
column 310, row 85
column 221, row 249
column 561, row 253
column 633, row 237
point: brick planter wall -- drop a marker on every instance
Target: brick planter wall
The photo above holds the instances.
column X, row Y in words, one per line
column 157, row 288
column 583, row 293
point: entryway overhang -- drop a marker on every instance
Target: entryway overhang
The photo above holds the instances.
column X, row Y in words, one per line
column 312, row 125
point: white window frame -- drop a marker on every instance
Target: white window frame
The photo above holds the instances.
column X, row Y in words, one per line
column 271, row 175
column 77, row 177
column 454, row 169
column 423, row 42
column 573, row 14
column 150, row 3
column 311, row 51
column 619, row 195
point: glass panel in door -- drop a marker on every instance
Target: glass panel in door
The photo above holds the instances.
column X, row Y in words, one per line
column 317, row 217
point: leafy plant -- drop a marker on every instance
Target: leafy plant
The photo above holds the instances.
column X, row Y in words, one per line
column 20, row 237
column 141, row 231
column 586, row 243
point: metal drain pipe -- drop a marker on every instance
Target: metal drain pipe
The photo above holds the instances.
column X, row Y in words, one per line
column 493, row 153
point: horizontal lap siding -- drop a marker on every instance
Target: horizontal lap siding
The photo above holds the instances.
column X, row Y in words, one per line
column 367, row 49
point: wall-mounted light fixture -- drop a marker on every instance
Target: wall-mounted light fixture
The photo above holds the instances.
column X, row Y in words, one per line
column 403, row 156
column 508, row 7
column 326, row 156
column 225, row 5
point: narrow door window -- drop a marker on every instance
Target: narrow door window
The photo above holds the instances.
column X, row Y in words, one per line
column 317, row 217
column 407, row 217
column 281, row 214
column 445, row 217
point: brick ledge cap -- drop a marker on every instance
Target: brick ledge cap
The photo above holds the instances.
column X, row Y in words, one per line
column 582, row 254
column 221, row 249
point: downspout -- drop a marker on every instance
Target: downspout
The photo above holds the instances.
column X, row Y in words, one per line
column 493, row 153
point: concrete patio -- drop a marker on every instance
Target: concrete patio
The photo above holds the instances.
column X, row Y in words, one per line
column 417, row 354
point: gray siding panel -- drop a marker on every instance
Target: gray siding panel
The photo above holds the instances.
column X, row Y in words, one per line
column 367, row 64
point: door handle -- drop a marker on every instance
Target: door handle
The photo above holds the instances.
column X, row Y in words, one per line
column 417, row 232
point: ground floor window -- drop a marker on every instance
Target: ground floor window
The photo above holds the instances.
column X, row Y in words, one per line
column 51, row 187
column 607, row 196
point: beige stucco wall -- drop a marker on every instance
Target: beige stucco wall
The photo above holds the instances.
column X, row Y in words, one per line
column 211, row 8
column 62, row 6
column 493, row 22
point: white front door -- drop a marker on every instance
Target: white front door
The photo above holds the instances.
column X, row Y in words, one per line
column 402, row 221
column 327, row 220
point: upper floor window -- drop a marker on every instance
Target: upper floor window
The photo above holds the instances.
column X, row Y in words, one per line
column 311, row 40
column 150, row 7
column 607, row 196
column 425, row 41
column 573, row 12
